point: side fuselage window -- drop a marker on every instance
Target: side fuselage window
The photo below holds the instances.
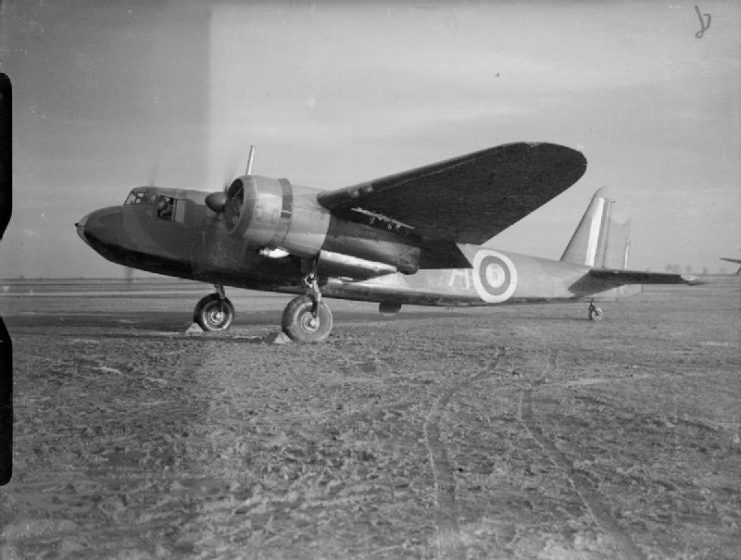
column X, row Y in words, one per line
column 165, row 207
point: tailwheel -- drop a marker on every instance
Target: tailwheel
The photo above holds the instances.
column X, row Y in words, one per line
column 214, row 313
column 595, row 313
column 306, row 320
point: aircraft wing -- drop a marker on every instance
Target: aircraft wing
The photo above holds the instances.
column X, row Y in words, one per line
column 620, row 277
column 467, row 199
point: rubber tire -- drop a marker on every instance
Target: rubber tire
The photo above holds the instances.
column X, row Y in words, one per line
column 596, row 314
column 296, row 316
column 213, row 313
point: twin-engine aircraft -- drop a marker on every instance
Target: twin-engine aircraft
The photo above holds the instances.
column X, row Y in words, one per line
column 410, row 238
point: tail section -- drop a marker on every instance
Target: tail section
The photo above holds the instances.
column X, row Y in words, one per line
column 600, row 241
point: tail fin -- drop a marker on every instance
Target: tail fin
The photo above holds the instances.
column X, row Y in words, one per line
column 599, row 241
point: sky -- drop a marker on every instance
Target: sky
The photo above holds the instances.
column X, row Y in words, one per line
column 109, row 95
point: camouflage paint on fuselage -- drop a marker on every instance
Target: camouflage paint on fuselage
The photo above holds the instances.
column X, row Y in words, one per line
column 172, row 232
column 495, row 277
column 190, row 242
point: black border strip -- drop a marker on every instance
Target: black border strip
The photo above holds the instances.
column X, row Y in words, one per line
column 6, row 345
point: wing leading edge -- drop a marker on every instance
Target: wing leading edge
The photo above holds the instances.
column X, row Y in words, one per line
column 467, row 199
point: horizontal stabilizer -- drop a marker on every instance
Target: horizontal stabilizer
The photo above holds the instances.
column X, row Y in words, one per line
column 622, row 277
column 734, row 261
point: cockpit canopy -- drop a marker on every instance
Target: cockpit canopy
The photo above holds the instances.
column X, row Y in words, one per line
column 162, row 199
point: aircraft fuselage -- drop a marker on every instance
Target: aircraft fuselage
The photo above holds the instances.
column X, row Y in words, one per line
column 173, row 232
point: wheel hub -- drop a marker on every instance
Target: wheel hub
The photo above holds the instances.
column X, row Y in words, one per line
column 216, row 316
column 309, row 322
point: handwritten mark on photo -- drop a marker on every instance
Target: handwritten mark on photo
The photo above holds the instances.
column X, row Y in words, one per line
column 704, row 24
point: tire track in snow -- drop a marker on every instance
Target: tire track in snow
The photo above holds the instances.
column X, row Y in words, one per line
column 449, row 543
column 579, row 482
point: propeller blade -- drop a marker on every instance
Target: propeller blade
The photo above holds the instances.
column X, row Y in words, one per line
column 230, row 172
column 250, row 159
column 153, row 172
column 128, row 274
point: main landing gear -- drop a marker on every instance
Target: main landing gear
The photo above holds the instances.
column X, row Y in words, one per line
column 214, row 312
column 307, row 318
column 595, row 313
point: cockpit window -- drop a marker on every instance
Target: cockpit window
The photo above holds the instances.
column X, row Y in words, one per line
column 138, row 197
column 165, row 207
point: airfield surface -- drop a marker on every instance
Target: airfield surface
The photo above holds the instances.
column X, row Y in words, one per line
column 511, row 432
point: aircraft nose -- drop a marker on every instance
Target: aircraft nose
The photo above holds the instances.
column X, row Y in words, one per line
column 81, row 227
column 100, row 229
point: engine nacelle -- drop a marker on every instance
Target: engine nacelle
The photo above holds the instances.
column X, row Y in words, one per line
column 272, row 213
column 278, row 219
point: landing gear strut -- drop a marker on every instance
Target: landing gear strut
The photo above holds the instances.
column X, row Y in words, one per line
column 595, row 313
column 214, row 312
column 307, row 318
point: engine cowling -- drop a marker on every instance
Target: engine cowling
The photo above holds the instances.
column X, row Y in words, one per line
column 272, row 213
column 278, row 219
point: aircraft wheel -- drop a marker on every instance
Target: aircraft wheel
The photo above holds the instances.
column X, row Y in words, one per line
column 596, row 313
column 213, row 313
column 385, row 308
column 300, row 324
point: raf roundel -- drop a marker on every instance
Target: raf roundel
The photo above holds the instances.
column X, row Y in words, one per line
column 494, row 276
